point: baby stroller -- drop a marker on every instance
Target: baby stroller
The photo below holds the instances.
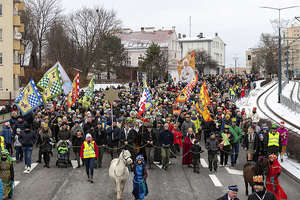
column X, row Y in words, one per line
column 63, row 155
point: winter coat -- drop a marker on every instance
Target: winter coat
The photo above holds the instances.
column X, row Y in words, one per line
column 20, row 125
column 197, row 124
column 100, row 136
column 196, row 150
column 225, row 198
column 166, row 138
column 284, row 135
column 185, row 126
column 64, row 134
column 237, row 134
column 113, row 135
column 7, row 134
column 147, row 136
column 268, row 196
column 130, row 136
column 212, row 146
column 44, row 139
column 76, row 129
column 177, row 137
column 76, row 143
column 27, row 138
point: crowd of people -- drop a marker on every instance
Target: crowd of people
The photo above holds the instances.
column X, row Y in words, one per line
column 167, row 130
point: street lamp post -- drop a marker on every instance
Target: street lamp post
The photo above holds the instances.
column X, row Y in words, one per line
column 279, row 46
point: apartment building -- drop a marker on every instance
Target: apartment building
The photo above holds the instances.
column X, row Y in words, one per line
column 11, row 48
column 214, row 46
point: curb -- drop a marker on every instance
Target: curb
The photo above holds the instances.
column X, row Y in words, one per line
column 290, row 175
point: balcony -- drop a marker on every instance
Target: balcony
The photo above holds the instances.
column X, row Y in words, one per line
column 21, row 6
column 21, row 28
column 17, row 45
column 18, row 70
column 17, row 20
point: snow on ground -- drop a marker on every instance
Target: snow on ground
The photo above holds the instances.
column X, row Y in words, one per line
column 104, row 86
column 291, row 166
column 249, row 102
column 284, row 111
column 288, row 89
column 294, row 96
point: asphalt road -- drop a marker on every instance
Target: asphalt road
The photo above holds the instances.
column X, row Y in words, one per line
column 176, row 183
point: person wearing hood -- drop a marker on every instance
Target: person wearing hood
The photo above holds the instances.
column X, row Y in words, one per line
column 7, row 174
column 44, row 142
column 89, row 152
column 140, row 189
column 27, row 139
column 260, row 192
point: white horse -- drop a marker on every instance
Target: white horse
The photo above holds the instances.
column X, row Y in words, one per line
column 119, row 172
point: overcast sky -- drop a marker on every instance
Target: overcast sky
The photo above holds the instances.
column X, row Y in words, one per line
column 238, row 22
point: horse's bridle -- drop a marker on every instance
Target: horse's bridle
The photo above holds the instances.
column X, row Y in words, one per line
column 128, row 157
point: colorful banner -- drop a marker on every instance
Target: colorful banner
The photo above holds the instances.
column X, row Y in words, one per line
column 184, row 95
column 67, row 84
column 204, row 94
column 88, row 95
column 74, row 94
column 29, row 99
column 186, row 68
column 51, row 84
column 145, row 102
column 203, row 110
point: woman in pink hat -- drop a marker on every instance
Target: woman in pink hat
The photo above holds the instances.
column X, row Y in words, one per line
column 284, row 135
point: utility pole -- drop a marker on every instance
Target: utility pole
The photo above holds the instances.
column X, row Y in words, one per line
column 235, row 63
column 279, row 47
column 190, row 25
column 287, row 60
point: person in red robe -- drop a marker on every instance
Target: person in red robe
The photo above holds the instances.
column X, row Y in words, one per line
column 272, row 182
column 177, row 138
column 187, row 158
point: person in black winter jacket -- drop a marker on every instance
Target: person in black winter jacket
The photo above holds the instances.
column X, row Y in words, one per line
column 166, row 140
column 148, row 138
column 113, row 136
column 260, row 192
column 128, row 138
column 196, row 150
column 231, row 194
column 77, row 141
column 27, row 139
column 101, row 141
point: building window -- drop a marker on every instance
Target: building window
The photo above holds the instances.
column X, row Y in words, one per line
column 0, row 9
column 1, row 31
column 1, row 58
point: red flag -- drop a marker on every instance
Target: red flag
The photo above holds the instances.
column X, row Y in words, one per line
column 74, row 94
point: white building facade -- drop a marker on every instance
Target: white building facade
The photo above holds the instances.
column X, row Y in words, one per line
column 137, row 42
column 215, row 47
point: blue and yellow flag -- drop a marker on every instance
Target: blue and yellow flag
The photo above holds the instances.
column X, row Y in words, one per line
column 51, row 84
column 29, row 99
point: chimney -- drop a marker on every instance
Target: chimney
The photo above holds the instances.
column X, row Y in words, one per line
column 216, row 34
column 200, row 35
column 142, row 29
column 183, row 36
column 179, row 35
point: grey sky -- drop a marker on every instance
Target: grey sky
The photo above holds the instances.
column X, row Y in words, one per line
column 238, row 22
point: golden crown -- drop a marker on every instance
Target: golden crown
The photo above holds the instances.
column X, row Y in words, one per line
column 258, row 179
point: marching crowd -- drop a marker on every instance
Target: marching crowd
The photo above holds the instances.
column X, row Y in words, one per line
column 167, row 130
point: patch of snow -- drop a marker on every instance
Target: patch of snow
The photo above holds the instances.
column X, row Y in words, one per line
column 284, row 111
column 288, row 89
column 291, row 166
column 104, row 86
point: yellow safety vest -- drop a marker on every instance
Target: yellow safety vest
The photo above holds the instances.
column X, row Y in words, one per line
column 89, row 150
column 2, row 145
column 273, row 139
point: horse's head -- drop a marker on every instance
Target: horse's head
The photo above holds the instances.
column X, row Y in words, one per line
column 262, row 166
column 126, row 156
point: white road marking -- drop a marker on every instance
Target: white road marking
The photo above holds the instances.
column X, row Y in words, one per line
column 234, row 171
column 203, row 163
column 215, row 180
column 33, row 165
column 16, row 183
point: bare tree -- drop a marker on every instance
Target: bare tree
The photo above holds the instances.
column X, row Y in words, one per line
column 42, row 14
column 203, row 60
column 86, row 27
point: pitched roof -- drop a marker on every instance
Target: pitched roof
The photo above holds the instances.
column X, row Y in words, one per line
column 142, row 39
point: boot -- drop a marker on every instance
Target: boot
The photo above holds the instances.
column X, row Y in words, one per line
column 91, row 180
